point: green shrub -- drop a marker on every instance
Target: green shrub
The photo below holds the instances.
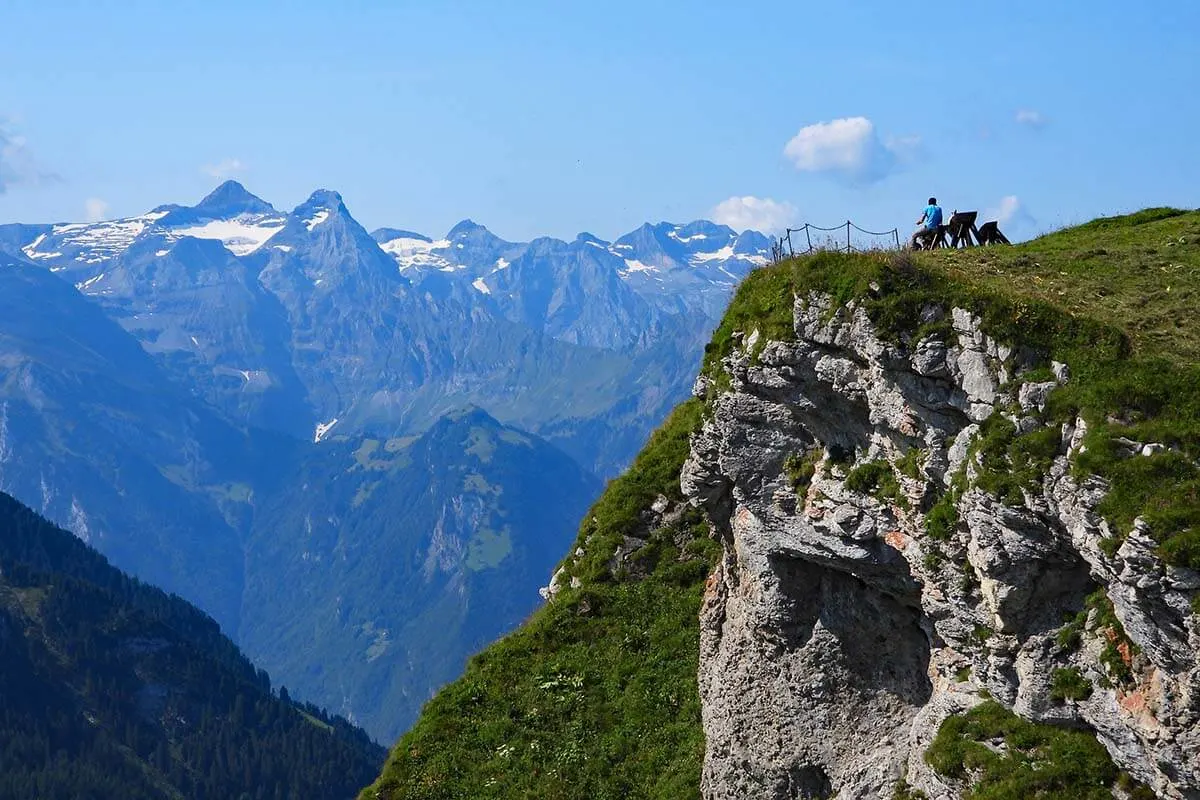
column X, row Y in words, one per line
column 800, row 470
column 877, row 479
column 1036, row 760
column 1133, row 789
column 1119, row 649
column 982, row 633
column 911, row 462
column 934, row 557
column 1183, row 549
column 1069, row 684
column 1010, row 463
column 1070, row 635
column 942, row 520
column 969, row 581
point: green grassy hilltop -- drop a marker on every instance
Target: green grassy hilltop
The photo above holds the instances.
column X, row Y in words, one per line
column 596, row 696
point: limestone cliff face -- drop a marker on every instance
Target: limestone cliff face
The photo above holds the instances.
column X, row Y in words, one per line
column 837, row 633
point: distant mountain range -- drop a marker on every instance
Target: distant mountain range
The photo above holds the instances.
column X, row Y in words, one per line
column 239, row 403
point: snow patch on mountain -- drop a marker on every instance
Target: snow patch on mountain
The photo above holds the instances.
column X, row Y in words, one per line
column 83, row 286
column 411, row 252
column 322, row 429
column 723, row 254
column 32, row 247
column 241, row 235
column 96, row 242
column 316, row 219
column 633, row 265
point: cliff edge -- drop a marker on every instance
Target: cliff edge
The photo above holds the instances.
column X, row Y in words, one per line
column 939, row 518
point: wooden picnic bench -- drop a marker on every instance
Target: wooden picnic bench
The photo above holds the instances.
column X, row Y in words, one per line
column 989, row 233
column 961, row 226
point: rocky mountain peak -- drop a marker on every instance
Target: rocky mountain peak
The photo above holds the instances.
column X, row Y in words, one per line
column 230, row 199
column 382, row 235
column 467, row 227
column 321, row 200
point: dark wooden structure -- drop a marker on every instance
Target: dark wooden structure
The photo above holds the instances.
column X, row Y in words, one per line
column 961, row 228
column 963, row 233
column 989, row 233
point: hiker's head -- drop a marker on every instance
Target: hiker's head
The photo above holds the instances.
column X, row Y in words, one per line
column 933, row 201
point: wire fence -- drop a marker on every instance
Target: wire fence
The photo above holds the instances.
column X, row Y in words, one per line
column 846, row 238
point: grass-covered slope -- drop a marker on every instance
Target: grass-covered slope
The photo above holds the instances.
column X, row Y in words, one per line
column 1114, row 299
column 595, row 696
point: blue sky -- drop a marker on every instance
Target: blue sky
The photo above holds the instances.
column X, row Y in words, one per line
column 556, row 117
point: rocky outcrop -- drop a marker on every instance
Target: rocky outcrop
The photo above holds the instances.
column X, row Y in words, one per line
column 841, row 628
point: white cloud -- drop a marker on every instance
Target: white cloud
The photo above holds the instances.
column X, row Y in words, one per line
column 1009, row 212
column 94, row 209
column 225, row 168
column 1027, row 116
column 754, row 213
column 850, row 149
column 17, row 165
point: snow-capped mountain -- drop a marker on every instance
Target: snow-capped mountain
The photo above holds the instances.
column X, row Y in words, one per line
column 230, row 215
column 675, row 267
column 291, row 320
column 229, row 399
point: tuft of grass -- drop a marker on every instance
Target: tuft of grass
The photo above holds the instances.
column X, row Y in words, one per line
column 1134, row 789
column 1118, row 651
column 963, row 674
column 1069, row 684
column 1011, row 464
column 800, row 470
column 1070, row 635
column 969, row 581
column 902, row 791
column 876, row 478
column 942, row 520
column 911, row 462
column 933, row 558
column 596, row 695
column 1034, row 760
column 1116, row 655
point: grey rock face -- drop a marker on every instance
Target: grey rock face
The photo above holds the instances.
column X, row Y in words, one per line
column 837, row 635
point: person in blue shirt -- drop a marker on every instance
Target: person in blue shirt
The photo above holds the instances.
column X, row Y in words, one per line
column 930, row 219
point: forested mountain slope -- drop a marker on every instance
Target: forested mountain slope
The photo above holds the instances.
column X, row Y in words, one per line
column 110, row 688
